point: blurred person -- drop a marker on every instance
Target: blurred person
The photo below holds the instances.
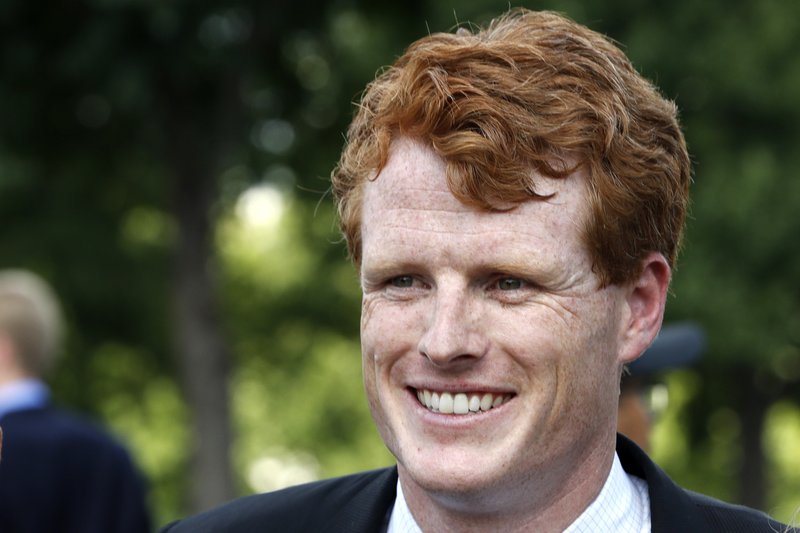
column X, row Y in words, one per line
column 641, row 396
column 513, row 199
column 59, row 473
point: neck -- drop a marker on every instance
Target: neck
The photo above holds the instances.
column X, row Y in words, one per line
column 13, row 375
column 11, row 369
column 542, row 501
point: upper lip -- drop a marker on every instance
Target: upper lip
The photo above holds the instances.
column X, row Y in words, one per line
column 461, row 387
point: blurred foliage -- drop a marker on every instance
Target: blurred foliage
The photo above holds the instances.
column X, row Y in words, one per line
column 90, row 95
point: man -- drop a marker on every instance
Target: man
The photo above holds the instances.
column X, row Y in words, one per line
column 514, row 201
column 641, row 395
column 59, row 473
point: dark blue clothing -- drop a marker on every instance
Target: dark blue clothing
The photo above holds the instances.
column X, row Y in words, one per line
column 62, row 474
column 362, row 503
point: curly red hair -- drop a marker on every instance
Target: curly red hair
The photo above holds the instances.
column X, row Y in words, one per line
column 532, row 90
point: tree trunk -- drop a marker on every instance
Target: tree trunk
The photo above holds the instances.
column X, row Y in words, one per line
column 201, row 123
column 752, row 410
column 202, row 351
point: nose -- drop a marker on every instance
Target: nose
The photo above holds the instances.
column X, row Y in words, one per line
column 454, row 330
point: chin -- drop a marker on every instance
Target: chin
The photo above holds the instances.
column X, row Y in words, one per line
column 463, row 476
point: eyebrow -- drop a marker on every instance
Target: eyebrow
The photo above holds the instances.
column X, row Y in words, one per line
column 382, row 268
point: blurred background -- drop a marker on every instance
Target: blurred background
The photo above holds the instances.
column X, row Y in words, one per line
column 164, row 165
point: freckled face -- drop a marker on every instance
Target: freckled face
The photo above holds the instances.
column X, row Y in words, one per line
column 466, row 303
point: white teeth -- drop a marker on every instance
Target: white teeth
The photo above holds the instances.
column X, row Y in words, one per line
column 474, row 403
column 460, row 403
column 486, row 402
column 446, row 403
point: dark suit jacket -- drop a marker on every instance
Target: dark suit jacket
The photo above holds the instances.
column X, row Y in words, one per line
column 361, row 503
column 61, row 474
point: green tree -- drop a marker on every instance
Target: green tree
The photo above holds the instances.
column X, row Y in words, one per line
column 165, row 166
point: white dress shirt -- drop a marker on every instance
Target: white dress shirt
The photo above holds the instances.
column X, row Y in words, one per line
column 623, row 506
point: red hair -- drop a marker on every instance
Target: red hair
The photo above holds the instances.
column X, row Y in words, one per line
column 530, row 91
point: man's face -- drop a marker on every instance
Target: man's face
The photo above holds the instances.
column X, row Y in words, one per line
column 498, row 318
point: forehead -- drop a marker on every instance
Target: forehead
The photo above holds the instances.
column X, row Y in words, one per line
column 412, row 189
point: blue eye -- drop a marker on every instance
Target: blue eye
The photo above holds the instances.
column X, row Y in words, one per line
column 509, row 284
column 402, row 282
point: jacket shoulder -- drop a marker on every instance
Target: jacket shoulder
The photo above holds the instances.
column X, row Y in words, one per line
column 722, row 516
column 52, row 427
column 673, row 508
column 357, row 502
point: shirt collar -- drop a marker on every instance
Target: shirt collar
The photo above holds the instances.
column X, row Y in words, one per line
column 23, row 394
column 622, row 505
column 401, row 520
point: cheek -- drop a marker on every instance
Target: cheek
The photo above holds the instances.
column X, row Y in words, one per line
column 383, row 341
column 367, row 305
column 387, row 328
column 591, row 368
column 573, row 337
column 370, row 384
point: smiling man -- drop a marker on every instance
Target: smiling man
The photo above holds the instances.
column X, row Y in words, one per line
column 492, row 356
column 514, row 200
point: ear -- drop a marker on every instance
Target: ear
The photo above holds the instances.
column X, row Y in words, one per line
column 645, row 298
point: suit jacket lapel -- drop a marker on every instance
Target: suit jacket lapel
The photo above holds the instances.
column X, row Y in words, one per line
column 671, row 509
column 366, row 508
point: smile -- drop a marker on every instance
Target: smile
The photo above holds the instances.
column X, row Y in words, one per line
column 460, row 403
